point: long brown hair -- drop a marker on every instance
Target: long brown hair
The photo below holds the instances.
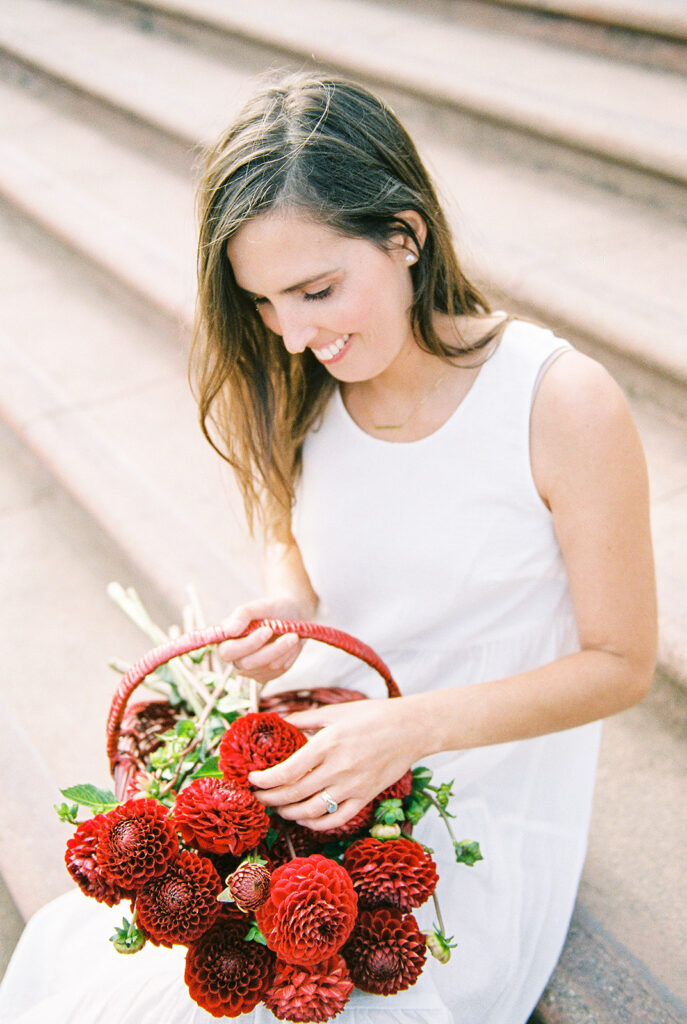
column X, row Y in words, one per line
column 331, row 149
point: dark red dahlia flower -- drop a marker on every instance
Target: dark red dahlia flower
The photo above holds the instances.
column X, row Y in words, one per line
column 309, row 993
column 303, row 840
column 226, row 975
column 310, row 911
column 137, row 841
column 397, row 873
column 220, row 816
column 180, row 905
column 402, row 787
column 82, row 864
column 386, row 952
column 257, row 741
column 250, row 885
column 360, row 822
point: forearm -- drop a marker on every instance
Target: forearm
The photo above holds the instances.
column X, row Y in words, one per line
column 568, row 692
column 285, row 578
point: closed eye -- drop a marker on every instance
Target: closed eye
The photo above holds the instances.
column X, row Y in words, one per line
column 314, row 296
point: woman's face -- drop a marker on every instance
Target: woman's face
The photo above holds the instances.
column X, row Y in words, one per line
column 345, row 299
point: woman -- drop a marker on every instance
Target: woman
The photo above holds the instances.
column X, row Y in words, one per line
column 460, row 489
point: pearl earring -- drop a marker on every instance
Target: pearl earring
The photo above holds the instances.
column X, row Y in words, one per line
column 410, row 258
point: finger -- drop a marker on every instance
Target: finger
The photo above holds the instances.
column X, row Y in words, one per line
column 314, row 718
column 287, row 772
column 346, row 810
column 297, row 792
column 233, row 650
column 272, row 655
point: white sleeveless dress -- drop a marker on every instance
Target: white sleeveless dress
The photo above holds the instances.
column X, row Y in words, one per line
column 441, row 555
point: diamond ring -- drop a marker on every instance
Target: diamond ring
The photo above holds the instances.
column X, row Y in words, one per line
column 331, row 803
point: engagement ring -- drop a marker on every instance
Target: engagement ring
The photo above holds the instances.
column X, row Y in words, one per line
column 329, row 800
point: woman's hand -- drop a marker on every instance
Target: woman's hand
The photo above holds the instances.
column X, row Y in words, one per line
column 261, row 655
column 361, row 748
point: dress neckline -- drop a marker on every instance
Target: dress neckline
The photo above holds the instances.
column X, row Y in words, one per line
column 468, row 399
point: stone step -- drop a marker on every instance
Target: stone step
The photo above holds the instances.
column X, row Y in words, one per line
column 566, row 252
column 549, row 94
column 649, row 34
column 126, row 213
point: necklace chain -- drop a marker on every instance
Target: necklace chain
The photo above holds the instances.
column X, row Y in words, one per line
column 415, row 409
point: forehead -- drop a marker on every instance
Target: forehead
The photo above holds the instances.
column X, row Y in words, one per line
column 273, row 251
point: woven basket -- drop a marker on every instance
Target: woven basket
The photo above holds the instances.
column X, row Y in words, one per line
column 133, row 730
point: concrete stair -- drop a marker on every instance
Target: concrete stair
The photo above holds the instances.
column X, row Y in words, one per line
column 569, row 210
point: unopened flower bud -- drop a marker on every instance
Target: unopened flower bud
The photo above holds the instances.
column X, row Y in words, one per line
column 385, row 831
column 249, row 885
column 439, row 947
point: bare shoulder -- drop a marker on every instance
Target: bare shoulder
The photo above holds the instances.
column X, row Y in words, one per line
column 582, row 429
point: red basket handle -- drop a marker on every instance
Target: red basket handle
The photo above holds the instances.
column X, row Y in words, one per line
column 217, row 634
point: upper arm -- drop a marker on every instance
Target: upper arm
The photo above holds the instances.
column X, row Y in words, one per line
column 589, row 467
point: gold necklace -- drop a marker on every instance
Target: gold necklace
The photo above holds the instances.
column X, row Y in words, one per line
column 414, row 410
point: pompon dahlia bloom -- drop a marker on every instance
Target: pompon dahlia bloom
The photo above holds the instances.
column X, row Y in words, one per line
column 137, row 842
column 386, row 952
column 303, row 840
column 220, row 816
column 256, row 741
column 396, row 873
column 402, row 787
column 249, row 885
column 180, row 905
column 226, row 975
column 307, row 994
column 82, row 864
column 361, row 821
column 310, row 911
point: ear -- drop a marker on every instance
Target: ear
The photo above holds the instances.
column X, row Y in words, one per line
column 406, row 245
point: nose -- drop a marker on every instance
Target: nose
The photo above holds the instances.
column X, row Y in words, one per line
column 296, row 333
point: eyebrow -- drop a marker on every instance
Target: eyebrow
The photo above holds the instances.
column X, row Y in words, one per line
column 301, row 284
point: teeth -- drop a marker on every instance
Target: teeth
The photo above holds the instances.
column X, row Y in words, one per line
column 329, row 351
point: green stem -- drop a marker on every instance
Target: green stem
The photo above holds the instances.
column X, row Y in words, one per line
column 439, row 917
column 444, row 816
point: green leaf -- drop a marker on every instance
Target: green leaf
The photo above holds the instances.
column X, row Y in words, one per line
column 128, row 938
column 185, row 728
column 255, row 935
column 90, row 796
column 208, row 770
column 467, row 852
column 416, row 806
column 390, row 811
column 271, row 838
column 443, row 794
column 421, row 777
column 67, row 812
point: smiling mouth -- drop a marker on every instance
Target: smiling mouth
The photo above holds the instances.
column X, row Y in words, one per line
column 327, row 352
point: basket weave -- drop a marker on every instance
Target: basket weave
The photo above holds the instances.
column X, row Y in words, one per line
column 133, row 730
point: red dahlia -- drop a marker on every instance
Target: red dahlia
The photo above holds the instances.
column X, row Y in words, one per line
column 82, row 865
column 303, row 840
column 220, row 817
column 365, row 816
column 137, row 842
column 180, row 905
column 386, row 952
column 315, row 993
column 360, row 822
column 226, row 975
column 396, row 873
column 249, row 885
column 257, row 741
column 310, row 910
column 398, row 790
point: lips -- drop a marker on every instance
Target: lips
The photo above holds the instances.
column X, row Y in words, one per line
column 328, row 352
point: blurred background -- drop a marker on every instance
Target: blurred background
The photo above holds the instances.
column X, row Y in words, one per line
column 557, row 133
